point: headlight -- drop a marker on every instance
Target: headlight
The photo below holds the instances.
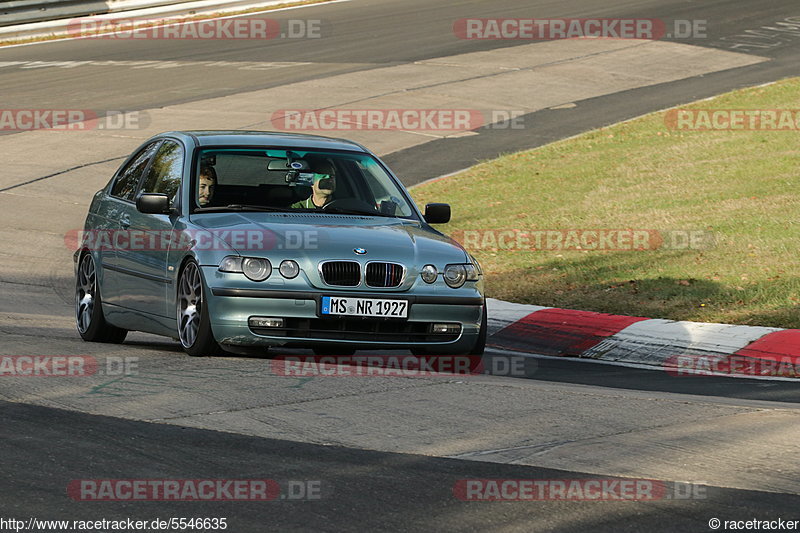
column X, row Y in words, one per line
column 428, row 273
column 455, row 275
column 289, row 269
column 256, row 269
column 231, row 264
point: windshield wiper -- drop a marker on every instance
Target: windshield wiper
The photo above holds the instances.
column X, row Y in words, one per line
column 241, row 207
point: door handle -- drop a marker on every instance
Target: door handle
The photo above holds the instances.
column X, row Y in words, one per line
column 125, row 221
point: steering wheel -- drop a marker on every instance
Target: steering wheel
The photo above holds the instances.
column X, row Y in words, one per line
column 349, row 203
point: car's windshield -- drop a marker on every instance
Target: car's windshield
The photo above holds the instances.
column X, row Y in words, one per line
column 296, row 180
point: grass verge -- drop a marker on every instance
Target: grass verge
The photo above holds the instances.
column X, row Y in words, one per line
column 741, row 187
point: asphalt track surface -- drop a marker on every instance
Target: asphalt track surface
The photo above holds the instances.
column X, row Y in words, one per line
column 372, row 490
column 44, row 447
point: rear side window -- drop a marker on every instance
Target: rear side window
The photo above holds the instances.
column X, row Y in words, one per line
column 165, row 173
column 128, row 177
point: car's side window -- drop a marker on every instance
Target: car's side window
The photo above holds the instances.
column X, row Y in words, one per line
column 165, row 173
column 128, row 177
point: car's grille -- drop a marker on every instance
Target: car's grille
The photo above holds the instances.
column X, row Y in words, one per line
column 358, row 329
column 384, row 274
column 341, row 273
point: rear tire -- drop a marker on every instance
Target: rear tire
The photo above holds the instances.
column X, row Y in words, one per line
column 194, row 324
column 89, row 319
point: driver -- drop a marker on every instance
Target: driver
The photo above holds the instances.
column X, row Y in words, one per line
column 323, row 188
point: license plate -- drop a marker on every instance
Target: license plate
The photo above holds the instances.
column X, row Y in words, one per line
column 334, row 305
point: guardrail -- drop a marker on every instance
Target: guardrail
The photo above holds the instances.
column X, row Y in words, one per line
column 26, row 11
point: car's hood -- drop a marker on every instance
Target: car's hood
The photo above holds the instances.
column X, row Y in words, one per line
column 316, row 237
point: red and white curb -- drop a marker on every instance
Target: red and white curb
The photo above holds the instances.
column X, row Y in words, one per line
column 675, row 346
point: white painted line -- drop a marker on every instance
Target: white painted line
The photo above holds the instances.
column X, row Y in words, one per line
column 152, row 64
column 173, row 18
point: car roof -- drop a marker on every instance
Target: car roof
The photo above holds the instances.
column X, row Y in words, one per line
column 266, row 138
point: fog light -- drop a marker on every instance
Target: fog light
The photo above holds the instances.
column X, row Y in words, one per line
column 265, row 322
column 445, row 328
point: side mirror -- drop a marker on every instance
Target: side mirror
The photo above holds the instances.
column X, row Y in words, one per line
column 153, row 203
column 437, row 213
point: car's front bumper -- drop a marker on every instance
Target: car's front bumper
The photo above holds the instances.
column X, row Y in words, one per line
column 231, row 308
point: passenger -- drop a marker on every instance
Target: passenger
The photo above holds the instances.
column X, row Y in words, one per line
column 206, row 184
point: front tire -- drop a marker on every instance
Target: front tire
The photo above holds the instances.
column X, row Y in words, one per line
column 194, row 323
column 89, row 319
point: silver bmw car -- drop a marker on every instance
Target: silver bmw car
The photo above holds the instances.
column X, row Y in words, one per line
column 233, row 241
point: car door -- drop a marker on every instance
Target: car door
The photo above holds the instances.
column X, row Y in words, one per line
column 145, row 261
column 117, row 212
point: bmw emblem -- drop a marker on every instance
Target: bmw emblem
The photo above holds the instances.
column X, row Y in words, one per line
column 359, row 251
